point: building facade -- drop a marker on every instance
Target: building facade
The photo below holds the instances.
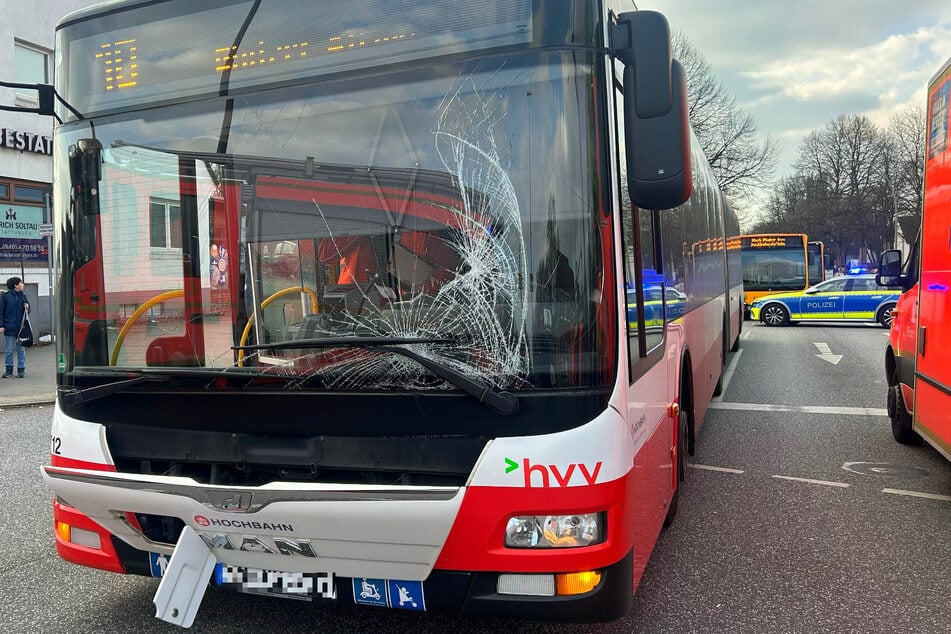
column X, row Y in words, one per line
column 26, row 147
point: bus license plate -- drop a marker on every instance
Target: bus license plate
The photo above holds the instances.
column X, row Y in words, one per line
column 291, row 585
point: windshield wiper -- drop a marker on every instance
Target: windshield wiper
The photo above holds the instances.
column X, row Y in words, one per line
column 85, row 395
column 499, row 401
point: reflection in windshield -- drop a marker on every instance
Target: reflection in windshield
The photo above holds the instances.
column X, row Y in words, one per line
column 360, row 214
column 774, row 269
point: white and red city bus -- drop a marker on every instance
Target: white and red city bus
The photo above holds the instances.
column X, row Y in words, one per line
column 916, row 358
column 358, row 305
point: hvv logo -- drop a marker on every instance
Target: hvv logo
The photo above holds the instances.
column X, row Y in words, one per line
column 539, row 475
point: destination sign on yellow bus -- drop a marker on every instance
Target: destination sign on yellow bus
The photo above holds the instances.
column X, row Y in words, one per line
column 771, row 242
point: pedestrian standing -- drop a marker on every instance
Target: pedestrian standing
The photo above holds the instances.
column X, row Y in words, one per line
column 13, row 308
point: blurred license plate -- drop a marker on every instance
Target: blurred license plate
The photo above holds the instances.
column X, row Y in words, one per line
column 291, row 585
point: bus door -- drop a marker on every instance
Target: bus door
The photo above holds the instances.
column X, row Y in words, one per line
column 816, row 259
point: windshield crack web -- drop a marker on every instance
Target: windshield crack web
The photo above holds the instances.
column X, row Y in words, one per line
column 481, row 307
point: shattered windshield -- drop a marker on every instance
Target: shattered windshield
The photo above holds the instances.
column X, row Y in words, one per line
column 453, row 208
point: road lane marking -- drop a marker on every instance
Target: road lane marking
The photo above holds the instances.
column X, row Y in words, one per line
column 804, row 409
column 720, row 469
column 825, row 353
column 828, row 483
column 842, row 485
column 918, row 494
column 728, row 375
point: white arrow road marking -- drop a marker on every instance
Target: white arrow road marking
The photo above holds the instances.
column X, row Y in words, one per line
column 826, row 353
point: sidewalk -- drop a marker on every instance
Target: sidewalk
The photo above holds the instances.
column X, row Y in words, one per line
column 39, row 384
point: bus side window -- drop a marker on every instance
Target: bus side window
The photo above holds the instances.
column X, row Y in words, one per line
column 645, row 309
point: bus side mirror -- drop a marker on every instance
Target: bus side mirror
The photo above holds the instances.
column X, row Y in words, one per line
column 656, row 125
column 889, row 270
column 85, row 172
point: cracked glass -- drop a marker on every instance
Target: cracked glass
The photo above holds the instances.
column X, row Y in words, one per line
column 453, row 211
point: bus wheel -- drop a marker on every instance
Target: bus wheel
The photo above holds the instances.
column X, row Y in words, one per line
column 718, row 389
column 736, row 343
column 774, row 315
column 901, row 419
column 884, row 316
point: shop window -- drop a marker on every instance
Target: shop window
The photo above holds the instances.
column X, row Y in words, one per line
column 25, row 194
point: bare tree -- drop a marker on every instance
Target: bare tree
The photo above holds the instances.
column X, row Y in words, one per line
column 906, row 136
column 841, row 191
column 740, row 160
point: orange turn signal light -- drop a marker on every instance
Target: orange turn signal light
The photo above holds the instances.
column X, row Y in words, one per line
column 576, row 582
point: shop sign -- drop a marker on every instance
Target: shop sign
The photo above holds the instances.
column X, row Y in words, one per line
column 26, row 141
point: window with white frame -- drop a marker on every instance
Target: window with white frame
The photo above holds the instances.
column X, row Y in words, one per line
column 30, row 66
column 165, row 224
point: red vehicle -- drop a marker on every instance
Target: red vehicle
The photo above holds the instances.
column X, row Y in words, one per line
column 406, row 350
column 918, row 356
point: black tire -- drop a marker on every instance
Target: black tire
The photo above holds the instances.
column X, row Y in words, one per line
column 900, row 418
column 774, row 315
column 736, row 343
column 718, row 388
column 884, row 316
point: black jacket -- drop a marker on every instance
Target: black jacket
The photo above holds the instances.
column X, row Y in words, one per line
column 11, row 311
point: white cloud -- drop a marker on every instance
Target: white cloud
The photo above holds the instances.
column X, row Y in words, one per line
column 796, row 67
column 885, row 68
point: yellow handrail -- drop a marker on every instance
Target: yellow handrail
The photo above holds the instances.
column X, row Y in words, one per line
column 158, row 299
column 264, row 304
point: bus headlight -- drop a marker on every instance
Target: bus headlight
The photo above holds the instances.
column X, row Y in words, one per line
column 554, row 531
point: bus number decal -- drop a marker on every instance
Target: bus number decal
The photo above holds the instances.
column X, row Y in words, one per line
column 56, row 444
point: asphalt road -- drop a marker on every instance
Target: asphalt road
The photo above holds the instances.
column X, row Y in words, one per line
column 800, row 514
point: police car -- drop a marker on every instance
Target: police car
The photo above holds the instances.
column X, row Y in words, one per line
column 851, row 298
column 674, row 301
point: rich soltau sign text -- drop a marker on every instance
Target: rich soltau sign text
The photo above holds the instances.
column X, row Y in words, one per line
column 18, row 221
column 26, row 141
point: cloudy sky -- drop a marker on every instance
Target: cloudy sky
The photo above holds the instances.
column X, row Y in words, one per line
column 796, row 66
